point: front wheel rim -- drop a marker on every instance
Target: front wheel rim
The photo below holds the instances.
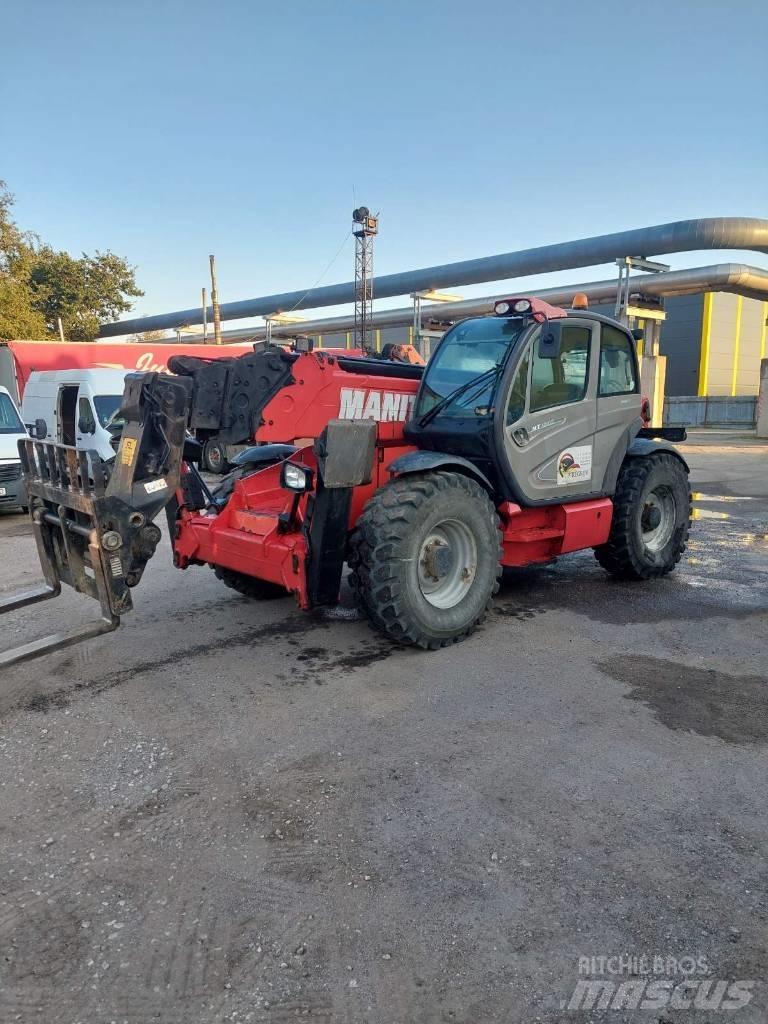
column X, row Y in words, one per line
column 447, row 563
column 658, row 518
column 214, row 457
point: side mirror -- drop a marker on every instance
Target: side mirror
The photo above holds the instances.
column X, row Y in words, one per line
column 86, row 425
column 41, row 430
column 638, row 333
column 551, row 339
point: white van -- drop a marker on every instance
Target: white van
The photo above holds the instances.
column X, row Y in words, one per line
column 77, row 408
column 12, row 493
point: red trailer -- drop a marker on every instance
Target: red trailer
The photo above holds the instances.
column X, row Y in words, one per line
column 20, row 358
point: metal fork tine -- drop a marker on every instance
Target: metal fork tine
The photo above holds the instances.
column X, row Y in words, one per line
column 66, row 529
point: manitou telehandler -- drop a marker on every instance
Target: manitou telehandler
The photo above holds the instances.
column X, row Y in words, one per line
column 522, row 439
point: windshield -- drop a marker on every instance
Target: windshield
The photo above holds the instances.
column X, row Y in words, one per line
column 9, row 418
column 470, row 349
column 106, row 407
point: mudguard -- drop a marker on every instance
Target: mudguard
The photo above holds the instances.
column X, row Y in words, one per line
column 422, row 462
column 645, row 446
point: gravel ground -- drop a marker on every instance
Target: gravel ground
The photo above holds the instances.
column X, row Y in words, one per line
column 232, row 811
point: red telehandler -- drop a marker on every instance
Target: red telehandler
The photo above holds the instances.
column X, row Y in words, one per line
column 522, row 439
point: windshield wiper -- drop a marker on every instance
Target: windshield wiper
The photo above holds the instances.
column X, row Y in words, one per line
column 457, row 393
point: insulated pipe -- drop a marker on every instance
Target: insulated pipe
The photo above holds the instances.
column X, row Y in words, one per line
column 680, row 236
column 751, row 282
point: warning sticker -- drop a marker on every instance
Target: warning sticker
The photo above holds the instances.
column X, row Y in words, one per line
column 574, row 465
column 155, row 485
column 127, row 450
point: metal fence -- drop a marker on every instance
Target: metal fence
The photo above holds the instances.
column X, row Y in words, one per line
column 692, row 411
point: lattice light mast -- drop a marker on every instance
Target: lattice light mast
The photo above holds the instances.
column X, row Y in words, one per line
column 364, row 227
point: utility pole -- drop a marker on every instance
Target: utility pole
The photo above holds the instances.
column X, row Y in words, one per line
column 61, row 328
column 205, row 317
column 215, row 303
column 364, row 227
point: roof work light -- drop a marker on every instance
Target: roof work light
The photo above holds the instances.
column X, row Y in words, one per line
column 537, row 308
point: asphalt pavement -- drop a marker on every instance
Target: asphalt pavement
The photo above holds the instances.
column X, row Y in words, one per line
column 233, row 811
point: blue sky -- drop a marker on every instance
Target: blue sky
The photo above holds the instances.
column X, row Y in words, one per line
column 168, row 130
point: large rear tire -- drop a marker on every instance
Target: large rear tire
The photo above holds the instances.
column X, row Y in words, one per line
column 651, row 518
column 249, row 586
column 425, row 558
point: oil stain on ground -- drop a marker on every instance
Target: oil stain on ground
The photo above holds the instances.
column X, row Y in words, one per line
column 693, row 699
column 315, row 663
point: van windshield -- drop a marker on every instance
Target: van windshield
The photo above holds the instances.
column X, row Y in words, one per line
column 9, row 418
column 106, row 407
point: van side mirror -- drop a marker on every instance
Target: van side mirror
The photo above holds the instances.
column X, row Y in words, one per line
column 41, row 430
column 638, row 333
column 550, row 339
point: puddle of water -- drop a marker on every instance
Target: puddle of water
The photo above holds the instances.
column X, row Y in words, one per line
column 700, row 496
column 694, row 699
column 706, row 513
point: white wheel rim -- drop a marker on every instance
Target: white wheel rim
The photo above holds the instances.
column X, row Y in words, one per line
column 447, row 563
column 661, row 502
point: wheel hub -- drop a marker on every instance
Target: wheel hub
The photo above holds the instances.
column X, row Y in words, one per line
column 651, row 518
column 447, row 563
column 658, row 518
column 437, row 559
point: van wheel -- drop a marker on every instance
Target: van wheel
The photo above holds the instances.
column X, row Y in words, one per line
column 214, row 457
column 651, row 518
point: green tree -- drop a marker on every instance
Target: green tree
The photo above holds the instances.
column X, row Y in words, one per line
column 18, row 317
column 39, row 284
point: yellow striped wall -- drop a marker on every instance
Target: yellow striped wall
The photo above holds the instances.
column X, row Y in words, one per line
column 733, row 341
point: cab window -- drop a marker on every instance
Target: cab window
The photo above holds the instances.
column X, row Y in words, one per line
column 564, row 379
column 617, row 364
column 85, row 419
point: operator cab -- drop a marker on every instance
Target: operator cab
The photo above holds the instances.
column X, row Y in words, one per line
column 543, row 400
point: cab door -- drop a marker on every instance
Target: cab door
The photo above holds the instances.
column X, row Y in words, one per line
column 550, row 416
column 618, row 395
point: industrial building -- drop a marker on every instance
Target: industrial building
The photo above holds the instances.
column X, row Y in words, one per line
column 713, row 342
column 707, row 323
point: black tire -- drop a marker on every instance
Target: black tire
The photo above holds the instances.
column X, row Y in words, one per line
column 249, row 586
column 636, row 549
column 395, row 548
column 214, row 457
